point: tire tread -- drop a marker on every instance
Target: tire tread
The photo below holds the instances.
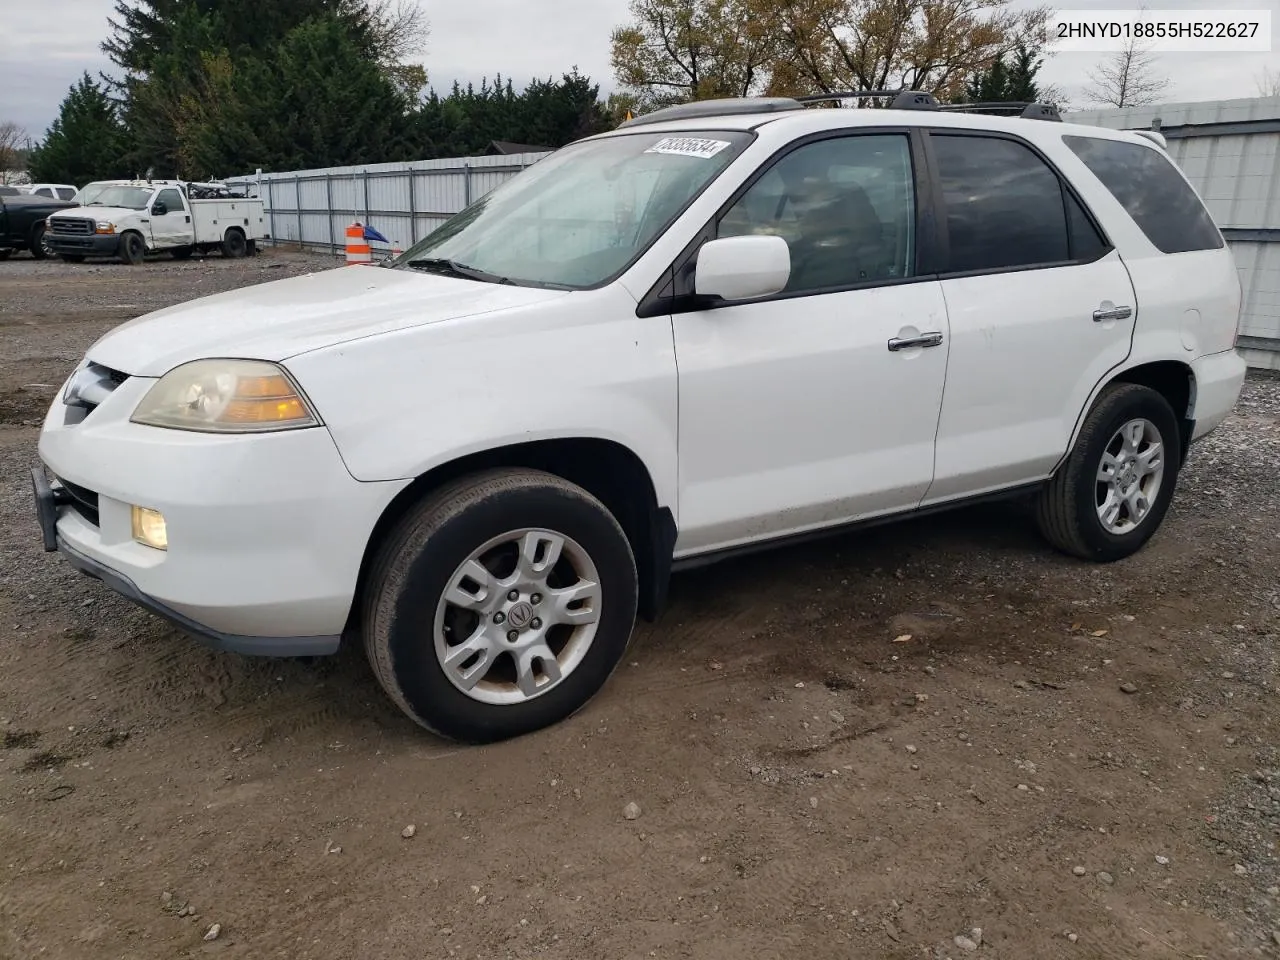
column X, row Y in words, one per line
column 418, row 526
column 1057, row 507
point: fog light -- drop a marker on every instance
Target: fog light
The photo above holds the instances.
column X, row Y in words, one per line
column 149, row 529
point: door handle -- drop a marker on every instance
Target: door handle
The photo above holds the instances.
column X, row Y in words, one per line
column 1114, row 313
column 924, row 340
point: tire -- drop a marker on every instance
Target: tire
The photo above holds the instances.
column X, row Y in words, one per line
column 233, row 244
column 72, row 257
column 39, row 249
column 5, row 253
column 133, row 249
column 1071, row 506
column 181, row 253
column 410, row 623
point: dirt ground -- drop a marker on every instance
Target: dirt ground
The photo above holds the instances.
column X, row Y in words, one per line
column 863, row 748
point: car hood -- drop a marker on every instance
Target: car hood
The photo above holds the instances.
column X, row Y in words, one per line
column 101, row 213
column 274, row 321
column 30, row 200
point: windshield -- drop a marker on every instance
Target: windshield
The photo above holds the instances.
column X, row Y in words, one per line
column 134, row 198
column 582, row 215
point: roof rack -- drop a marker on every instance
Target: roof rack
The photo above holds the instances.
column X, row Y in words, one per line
column 902, row 100
column 1024, row 109
column 728, row 106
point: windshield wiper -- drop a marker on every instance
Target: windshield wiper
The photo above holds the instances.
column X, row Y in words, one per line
column 456, row 269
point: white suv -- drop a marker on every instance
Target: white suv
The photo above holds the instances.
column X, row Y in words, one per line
column 718, row 327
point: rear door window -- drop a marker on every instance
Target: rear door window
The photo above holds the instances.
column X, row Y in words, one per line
column 1004, row 206
column 1150, row 188
column 65, row 193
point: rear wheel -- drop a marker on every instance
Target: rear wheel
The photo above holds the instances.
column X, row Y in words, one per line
column 500, row 605
column 1112, row 493
column 133, row 249
column 234, row 244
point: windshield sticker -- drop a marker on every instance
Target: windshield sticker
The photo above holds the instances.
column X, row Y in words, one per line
column 689, row 147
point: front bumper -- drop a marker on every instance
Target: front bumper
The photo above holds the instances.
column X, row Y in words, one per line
column 84, row 245
column 266, row 532
column 48, row 499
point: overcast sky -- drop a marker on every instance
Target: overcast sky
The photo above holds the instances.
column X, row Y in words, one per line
column 44, row 47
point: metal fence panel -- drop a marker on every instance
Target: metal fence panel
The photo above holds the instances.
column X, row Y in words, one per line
column 402, row 201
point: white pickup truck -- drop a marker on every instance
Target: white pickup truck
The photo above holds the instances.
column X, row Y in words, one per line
column 130, row 218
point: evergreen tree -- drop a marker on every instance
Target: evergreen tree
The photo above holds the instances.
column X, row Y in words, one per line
column 1006, row 82
column 85, row 142
column 219, row 85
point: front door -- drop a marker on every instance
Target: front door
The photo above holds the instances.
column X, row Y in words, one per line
column 818, row 405
column 173, row 227
column 1040, row 306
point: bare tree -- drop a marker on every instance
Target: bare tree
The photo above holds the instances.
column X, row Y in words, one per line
column 12, row 141
column 400, row 31
column 1128, row 78
column 1268, row 82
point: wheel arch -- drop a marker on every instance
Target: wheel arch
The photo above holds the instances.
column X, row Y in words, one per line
column 1172, row 379
column 608, row 470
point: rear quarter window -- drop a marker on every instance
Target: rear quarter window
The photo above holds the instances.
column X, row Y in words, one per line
column 1151, row 189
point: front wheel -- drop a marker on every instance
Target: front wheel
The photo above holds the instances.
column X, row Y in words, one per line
column 39, row 246
column 500, row 605
column 133, row 249
column 1109, row 497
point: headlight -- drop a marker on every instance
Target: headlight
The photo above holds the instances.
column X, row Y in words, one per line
column 106, row 226
column 225, row 396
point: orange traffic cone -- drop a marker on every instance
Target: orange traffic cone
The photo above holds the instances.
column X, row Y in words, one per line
column 357, row 246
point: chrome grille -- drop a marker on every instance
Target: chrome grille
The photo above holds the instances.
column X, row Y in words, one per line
column 72, row 226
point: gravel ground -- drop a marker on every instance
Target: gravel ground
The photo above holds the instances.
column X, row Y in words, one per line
column 1077, row 761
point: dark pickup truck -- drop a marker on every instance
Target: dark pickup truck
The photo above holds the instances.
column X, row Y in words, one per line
column 22, row 223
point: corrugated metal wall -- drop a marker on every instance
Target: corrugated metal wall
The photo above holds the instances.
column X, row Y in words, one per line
column 1230, row 151
column 402, row 201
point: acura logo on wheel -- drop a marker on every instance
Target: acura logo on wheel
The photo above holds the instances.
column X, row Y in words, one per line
column 520, row 615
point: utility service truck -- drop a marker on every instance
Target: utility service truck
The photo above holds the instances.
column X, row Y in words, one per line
column 130, row 218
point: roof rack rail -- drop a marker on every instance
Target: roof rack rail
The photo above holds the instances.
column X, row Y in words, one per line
column 902, row 99
column 1024, row 109
column 715, row 108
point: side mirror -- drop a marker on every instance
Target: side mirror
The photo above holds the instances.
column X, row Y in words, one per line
column 159, row 209
column 742, row 268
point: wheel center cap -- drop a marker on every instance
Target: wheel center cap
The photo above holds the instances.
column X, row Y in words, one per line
column 520, row 615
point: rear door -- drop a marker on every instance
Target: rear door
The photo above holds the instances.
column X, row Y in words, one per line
column 1040, row 307
column 1185, row 271
column 173, row 227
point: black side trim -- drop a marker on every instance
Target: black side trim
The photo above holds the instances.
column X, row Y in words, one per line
column 1252, row 234
column 662, row 542
column 715, row 556
column 231, row 643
